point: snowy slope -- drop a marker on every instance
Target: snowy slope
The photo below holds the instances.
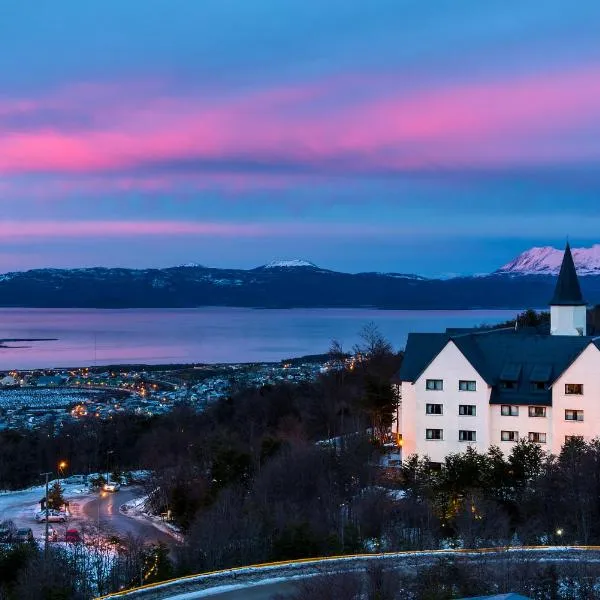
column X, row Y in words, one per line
column 547, row 260
column 294, row 263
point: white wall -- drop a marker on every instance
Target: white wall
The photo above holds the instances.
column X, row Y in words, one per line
column 585, row 370
column 451, row 366
column 568, row 320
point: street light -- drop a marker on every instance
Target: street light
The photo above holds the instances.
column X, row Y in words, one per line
column 62, row 465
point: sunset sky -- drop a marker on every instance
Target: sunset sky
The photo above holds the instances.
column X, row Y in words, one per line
column 429, row 137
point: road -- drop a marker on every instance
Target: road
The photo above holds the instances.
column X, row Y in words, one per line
column 105, row 511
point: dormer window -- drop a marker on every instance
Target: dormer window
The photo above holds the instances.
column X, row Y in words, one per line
column 540, row 377
column 509, row 378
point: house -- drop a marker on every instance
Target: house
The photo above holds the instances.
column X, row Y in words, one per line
column 483, row 387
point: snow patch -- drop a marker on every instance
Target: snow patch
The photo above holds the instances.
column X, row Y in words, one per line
column 546, row 260
column 289, row 264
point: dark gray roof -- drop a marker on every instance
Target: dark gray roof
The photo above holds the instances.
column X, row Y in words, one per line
column 567, row 291
column 523, row 358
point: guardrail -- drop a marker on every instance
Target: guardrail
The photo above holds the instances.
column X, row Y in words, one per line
column 309, row 567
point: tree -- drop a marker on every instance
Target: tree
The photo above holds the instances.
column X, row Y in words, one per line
column 379, row 402
column 55, row 498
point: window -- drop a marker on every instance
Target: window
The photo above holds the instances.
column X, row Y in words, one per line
column 509, row 436
column 506, row 410
column 434, row 384
column 435, row 466
column 573, row 415
column 537, row 411
column 467, row 386
column 434, row 434
column 434, row 409
column 538, row 386
column 538, row 438
column 574, row 389
column 508, row 385
column 467, row 436
column 467, row 410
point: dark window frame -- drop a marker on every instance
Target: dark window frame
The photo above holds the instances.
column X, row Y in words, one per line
column 467, row 435
column 434, row 383
column 571, row 387
column 435, row 439
column 510, row 412
column 576, row 413
column 464, row 385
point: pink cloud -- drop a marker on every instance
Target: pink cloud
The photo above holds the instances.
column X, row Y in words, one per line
column 314, row 126
column 23, row 231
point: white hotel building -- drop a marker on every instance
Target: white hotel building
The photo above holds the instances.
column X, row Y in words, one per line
column 477, row 388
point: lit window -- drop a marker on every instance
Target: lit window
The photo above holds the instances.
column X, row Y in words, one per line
column 537, row 411
column 573, row 415
column 434, row 409
column 434, row 384
column 538, row 438
column 509, row 436
column 467, row 410
column 575, row 389
column 507, row 410
column 467, row 386
column 434, row 434
column 466, row 436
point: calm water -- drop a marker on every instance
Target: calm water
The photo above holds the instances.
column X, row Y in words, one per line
column 211, row 335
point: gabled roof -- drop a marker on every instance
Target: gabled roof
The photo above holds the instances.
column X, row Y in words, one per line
column 567, row 291
column 523, row 358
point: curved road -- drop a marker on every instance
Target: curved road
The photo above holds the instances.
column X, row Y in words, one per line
column 104, row 510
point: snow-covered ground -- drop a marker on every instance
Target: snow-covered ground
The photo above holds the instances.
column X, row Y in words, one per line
column 21, row 506
column 136, row 509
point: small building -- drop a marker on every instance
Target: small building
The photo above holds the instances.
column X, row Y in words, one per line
column 483, row 387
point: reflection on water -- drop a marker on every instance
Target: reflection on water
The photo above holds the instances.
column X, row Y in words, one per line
column 211, row 335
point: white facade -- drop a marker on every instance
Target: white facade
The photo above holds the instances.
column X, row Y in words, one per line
column 550, row 428
column 451, row 367
column 568, row 320
column 585, row 371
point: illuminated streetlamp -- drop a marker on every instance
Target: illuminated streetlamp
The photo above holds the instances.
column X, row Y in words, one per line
column 62, row 465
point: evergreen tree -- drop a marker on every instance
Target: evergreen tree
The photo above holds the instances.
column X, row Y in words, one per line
column 55, row 496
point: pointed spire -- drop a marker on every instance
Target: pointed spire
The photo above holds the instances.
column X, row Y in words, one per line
column 567, row 291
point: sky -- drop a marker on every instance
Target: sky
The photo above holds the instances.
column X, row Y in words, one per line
column 437, row 137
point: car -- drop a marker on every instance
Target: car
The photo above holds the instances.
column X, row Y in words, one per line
column 72, row 536
column 112, row 486
column 23, row 534
column 54, row 516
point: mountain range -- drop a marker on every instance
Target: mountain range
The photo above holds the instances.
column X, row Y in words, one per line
column 527, row 281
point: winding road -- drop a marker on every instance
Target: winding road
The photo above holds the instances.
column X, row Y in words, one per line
column 104, row 510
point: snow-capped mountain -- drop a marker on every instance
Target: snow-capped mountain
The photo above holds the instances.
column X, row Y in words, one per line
column 293, row 263
column 547, row 260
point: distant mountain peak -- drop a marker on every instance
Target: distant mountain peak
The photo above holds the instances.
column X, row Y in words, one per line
column 293, row 263
column 546, row 260
column 191, row 265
